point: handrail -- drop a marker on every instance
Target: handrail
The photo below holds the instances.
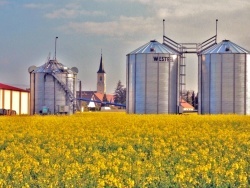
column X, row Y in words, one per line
column 206, row 44
column 172, row 44
column 189, row 47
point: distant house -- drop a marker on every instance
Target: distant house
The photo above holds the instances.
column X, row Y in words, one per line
column 14, row 99
column 89, row 96
column 186, row 106
column 94, row 100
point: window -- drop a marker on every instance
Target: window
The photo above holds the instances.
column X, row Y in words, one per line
column 100, row 78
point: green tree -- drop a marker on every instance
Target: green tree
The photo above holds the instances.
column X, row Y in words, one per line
column 193, row 99
column 196, row 102
column 120, row 93
column 188, row 97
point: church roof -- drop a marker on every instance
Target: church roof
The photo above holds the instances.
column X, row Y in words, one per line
column 101, row 67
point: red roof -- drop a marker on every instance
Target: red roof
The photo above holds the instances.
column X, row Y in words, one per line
column 8, row 87
column 184, row 104
column 99, row 96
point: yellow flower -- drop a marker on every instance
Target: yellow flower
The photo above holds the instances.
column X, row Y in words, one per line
column 120, row 150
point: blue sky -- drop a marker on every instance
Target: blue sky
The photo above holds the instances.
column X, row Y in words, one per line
column 28, row 29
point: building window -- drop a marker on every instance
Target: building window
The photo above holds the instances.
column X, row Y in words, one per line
column 100, row 78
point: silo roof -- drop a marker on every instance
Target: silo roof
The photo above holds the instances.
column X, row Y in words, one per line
column 52, row 66
column 154, row 47
column 226, row 46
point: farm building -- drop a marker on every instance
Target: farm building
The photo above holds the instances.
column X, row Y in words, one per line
column 14, row 99
column 93, row 99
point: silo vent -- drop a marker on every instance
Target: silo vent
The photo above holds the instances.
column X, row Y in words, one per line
column 152, row 49
column 227, row 49
column 153, row 40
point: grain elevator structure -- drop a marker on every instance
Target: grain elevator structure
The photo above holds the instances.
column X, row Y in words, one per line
column 156, row 77
column 52, row 88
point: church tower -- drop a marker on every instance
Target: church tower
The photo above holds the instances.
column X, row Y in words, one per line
column 101, row 78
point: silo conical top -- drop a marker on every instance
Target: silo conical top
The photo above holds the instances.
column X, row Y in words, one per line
column 52, row 66
column 154, row 47
column 226, row 46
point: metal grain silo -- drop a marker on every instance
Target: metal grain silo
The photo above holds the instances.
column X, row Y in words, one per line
column 152, row 79
column 224, row 79
column 53, row 88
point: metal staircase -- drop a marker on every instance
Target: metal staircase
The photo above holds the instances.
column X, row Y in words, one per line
column 68, row 92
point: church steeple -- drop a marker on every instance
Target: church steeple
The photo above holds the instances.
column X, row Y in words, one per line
column 101, row 78
column 101, row 67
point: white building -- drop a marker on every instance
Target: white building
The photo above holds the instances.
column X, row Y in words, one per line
column 13, row 98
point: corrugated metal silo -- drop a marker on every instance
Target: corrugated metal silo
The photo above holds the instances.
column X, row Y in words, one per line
column 53, row 86
column 224, row 79
column 152, row 79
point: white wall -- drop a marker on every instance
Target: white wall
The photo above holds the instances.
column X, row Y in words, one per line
column 24, row 103
column 7, row 99
column 15, row 100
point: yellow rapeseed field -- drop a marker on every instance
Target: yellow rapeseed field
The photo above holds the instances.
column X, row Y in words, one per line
column 120, row 150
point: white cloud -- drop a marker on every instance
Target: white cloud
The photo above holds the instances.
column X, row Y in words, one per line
column 62, row 13
column 72, row 13
column 183, row 8
column 37, row 6
column 123, row 27
column 178, row 14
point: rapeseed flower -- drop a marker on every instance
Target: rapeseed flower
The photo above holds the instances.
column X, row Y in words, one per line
column 120, row 150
